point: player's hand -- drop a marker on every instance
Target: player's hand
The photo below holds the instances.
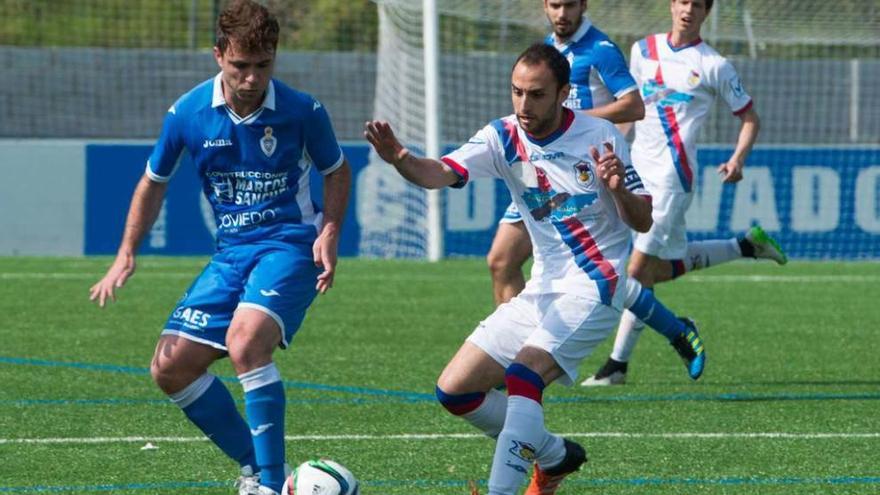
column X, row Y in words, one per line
column 325, row 253
column 380, row 135
column 122, row 268
column 731, row 172
column 609, row 167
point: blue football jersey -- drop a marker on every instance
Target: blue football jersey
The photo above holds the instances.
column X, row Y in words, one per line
column 254, row 169
column 599, row 73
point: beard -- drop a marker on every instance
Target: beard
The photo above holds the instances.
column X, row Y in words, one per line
column 537, row 126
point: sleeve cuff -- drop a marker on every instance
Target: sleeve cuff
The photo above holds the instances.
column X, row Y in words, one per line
column 460, row 171
column 335, row 166
column 625, row 91
column 744, row 109
column 154, row 176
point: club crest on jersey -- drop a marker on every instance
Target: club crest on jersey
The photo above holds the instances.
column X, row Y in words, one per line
column 268, row 143
column 584, row 173
column 693, row 79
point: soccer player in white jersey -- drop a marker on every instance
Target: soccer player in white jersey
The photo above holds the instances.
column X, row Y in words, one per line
column 602, row 86
column 680, row 77
column 581, row 205
column 253, row 141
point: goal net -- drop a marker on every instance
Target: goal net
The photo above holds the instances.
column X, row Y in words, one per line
column 810, row 66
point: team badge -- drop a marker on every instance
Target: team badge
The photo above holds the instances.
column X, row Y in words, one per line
column 693, row 79
column 584, row 173
column 268, row 143
column 523, row 450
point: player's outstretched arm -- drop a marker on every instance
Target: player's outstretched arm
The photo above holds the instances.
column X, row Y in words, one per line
column 145, row 205
column 627, row 108
column 633, row 209
column 337, row 185
column 732, row 170
column 424, row 172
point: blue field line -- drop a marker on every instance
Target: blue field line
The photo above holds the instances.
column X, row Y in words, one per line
column 720, row 397
column 417, row 397
column 166, row 402
column 409, row 396
column 733, row 481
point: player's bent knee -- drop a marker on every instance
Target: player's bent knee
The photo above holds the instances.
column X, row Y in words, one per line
column 459, row 404
column 170, row 378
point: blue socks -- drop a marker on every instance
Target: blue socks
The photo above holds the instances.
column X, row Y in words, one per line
column 208, row 404
column 264, row 403
column 657, row 316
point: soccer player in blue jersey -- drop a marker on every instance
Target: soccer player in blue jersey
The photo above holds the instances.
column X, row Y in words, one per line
column 253, row 141
column 601, row 86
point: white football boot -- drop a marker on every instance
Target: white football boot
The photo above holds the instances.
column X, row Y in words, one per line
column 249, row 482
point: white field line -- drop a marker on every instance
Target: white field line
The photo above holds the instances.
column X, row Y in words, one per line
column 700, row 279
column 454, row 436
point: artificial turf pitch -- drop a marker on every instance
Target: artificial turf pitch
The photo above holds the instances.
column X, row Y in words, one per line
column 789, row 402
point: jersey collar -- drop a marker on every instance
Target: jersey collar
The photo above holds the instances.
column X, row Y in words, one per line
column 218, row 100
column 586, row 24
column 682, row 47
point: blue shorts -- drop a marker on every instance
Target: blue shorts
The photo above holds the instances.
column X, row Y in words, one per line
column 270, row 276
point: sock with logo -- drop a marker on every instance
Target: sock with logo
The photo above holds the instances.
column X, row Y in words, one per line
column 208, row 404
column 657, row 316
column 524, row 439
column 485, row 411
column 705, row 254
column 264, row 403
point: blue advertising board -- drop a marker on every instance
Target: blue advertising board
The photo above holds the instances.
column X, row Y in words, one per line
column 820, row 202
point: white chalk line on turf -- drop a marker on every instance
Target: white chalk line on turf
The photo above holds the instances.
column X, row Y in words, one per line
column 700, row 279
column 455, row 436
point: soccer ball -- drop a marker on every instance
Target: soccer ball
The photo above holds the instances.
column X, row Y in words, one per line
column 320, row 477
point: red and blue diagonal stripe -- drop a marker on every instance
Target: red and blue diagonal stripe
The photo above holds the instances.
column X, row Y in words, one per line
column 648, row 46
column 588, row 257
column 676, row 146
column 514, row 148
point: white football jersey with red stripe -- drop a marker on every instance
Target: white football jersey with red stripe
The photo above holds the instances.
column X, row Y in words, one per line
column 580, row 242
column 679, row 86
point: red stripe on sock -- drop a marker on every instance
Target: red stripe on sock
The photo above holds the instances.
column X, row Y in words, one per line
column 524, row 388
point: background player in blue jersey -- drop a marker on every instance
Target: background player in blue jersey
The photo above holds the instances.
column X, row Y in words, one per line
column 254, row 141
column 602, row 86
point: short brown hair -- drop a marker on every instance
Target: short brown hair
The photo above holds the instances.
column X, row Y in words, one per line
column 248, row 23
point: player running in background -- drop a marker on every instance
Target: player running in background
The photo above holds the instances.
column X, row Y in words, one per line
column 571, row 173
column 680, row 76
column 602, row 86
column 253, row 141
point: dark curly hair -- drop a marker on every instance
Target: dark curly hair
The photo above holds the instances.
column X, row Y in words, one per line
column 249, row 24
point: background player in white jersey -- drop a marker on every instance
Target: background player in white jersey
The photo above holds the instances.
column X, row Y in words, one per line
column 253, row 141
column 602, row 86
column 680, row 77
column 581, row 206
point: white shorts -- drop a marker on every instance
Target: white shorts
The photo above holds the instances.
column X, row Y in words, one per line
column 567, row 326
column 511, row 214
column 667, row 238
